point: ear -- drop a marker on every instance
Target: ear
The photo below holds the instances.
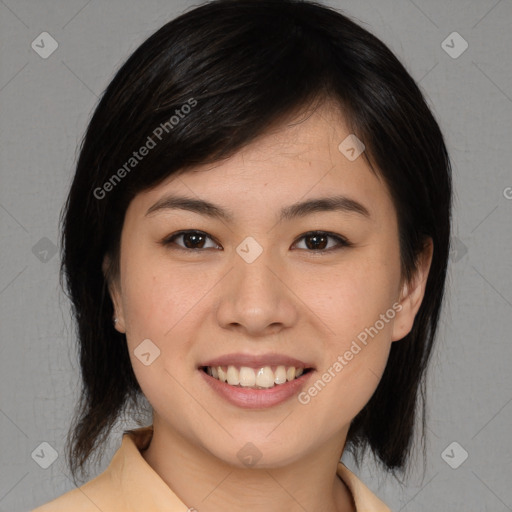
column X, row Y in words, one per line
column 412, row 293
column 115, row 295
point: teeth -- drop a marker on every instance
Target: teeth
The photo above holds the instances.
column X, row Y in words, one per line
column 280, row 375
column 247, row 377
column 222, row 374
column 290, row 373
column 233, row 376
column 265, row 377
column 259, row 378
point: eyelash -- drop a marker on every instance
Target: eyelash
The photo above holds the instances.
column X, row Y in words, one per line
column 342, row 241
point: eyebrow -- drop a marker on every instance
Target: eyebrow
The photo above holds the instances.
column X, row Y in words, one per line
column 338, row 203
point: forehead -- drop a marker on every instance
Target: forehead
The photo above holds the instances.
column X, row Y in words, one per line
column 302, row 158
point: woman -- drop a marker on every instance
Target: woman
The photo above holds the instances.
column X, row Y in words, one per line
column 256, row 241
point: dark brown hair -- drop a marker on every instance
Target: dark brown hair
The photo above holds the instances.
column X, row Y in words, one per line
column 247, row 64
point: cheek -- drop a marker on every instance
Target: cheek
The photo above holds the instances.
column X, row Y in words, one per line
column 353, row 363
column 357, row 307
column 163, row 304
column 352, row 296
column 159, row 305
column 157, row 300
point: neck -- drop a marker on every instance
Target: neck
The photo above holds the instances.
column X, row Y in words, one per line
column 208, row 484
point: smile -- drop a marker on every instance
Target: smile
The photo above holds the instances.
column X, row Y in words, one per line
column 256, row 381
column 263, row 377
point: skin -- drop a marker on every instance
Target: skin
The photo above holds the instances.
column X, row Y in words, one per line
column 291, row 300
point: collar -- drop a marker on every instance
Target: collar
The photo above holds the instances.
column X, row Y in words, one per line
column 129, row 484
column 139, row 439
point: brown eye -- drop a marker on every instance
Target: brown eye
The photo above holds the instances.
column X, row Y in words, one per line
column 319, row 241
column 190, row 240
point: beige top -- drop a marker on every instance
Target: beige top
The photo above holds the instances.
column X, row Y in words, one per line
column 129, row 484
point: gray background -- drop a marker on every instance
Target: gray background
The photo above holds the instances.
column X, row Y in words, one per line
column 45, row 106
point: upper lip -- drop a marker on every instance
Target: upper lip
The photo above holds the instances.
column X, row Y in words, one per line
column 256, row 361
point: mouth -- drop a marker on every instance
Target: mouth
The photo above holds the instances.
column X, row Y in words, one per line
column 256, row 377
column 252, row 381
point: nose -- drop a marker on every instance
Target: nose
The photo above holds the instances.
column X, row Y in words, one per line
column 256, row 299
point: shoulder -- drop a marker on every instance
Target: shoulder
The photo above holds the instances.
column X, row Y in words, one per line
column 365, row 500
column 72, row 500
column 122, row 485
column 98, row 494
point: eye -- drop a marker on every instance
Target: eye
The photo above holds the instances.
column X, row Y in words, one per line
column 191, row 240
column 317, row 241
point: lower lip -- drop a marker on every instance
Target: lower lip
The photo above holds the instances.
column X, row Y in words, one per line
column 248, row 398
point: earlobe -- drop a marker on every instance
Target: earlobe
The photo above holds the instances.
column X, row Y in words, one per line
column 412, row 294
column 115, row 295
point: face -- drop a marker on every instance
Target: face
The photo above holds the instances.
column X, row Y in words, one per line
column 259, row 284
